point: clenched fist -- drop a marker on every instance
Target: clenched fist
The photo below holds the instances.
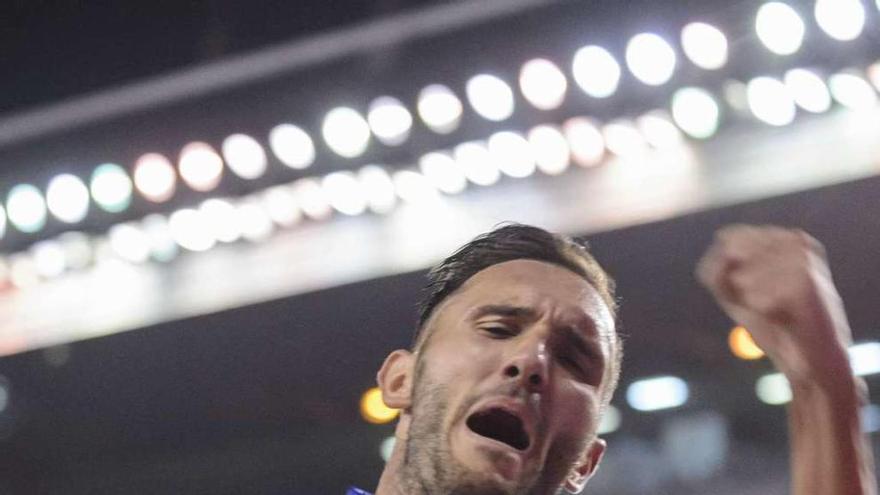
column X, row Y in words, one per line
column 776, row 282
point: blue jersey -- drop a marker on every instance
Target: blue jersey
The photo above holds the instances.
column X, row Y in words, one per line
column 356, row 491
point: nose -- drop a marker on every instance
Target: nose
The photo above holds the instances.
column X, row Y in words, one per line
column 529, row 365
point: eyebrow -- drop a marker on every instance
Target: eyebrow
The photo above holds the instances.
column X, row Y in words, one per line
column 506, row 310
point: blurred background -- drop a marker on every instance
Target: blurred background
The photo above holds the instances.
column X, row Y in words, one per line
column 217, row 215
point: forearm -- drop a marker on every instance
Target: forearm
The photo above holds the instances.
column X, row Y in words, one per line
column 830, row 454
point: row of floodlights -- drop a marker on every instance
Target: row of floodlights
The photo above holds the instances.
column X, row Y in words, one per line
column 649, row 57
column 662, row 392
column 693, row 110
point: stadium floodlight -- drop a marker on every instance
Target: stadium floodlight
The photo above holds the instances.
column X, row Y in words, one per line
column 543, row 84
column 650, row 58
column 780, row 28
column 596, row 71
column 346, row 132
column 490, row 97
column 705, row 45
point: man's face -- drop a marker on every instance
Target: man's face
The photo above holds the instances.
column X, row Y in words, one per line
column 508, row 385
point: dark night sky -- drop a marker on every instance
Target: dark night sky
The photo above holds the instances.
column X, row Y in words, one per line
column 53, row 50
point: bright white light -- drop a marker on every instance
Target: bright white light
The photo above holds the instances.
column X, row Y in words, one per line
column 770, row 101
column 67, row 198
column 852, row 91
column 650, row 58
column 585, row 141
column 111, row 187
column 200, row 166
column 874, row 73
column 154, row 177
column 23, row 271
column 550, row 149
column 623, row 139
column 652, row 394
column 696, row 112
column 280, row 204
column 77, row 248
column 490, row 97
column 773, row 389
column 386, row 448
column 344, row 192
column 865, row 358
column 596, row 71
column 129, row 242
column 219, row 218
column 413, row 187
column 378, row 187
column 543, row 84
column 2, row 221
column 25, row 208
column 610, row 421
column 162, row 246
column 512, row 153
column 292, row 146
column 659, row 130
column 439, row 108
column 443, row 172
column 390, row 120
column 48, row 258
column 808, row 90
column 346, row 132
column 841, row 19
column 255, row 224
column 780, row 28
column 244, row 156
column 311, row 198
column 476, row 161
column 190, row 230
column 705, row 45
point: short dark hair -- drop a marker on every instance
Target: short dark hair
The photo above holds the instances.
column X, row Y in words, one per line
column 508, row 242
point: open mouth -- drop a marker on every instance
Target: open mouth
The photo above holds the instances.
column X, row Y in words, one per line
column 501, row 425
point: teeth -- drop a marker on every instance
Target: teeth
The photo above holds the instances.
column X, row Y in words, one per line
column 500, row 425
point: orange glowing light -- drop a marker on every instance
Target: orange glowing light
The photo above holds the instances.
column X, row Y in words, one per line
column 373, row 408
column 742, row 345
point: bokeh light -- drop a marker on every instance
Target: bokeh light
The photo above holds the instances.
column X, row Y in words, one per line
column 292, row 146
column 543, row 84
column 2, row 221
column 585, row 141
column 162, row 246
column 475, row 160
column 852, row 91
column 26, row 208
column 773, row 389
column 443, row 172
column 550, row 148
column 129, row 242
column 154, row 177
column 244, row 156
column 346, row 132
column 623, row 139
column 658, row 130
column 390, row 120
column 439, row 108
column 696, row 112
column 201, row 168
column 656, row 393
column 596, row 71
column 742, row 345
column 865, row 358
column 780, row 28
column 843, row 20
column 111, row 187
column 190, row 230
column 770, row 101
column 512, row 153
column 808, row 90
column 67, row 198
column 490, row 97
column 280, row 205
column 48, row 257
column 413, row 187
column 610, row 421
column 23, row 271
column 378, row 188
column 311, row 198
column 373, row 408
column 650, row 58
column 220, row 217
column 254, row 222
column 344, row 192
column 705, row 45
column 77, row 248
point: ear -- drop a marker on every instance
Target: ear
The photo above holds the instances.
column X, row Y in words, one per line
column 395, row 378
column 586, row 467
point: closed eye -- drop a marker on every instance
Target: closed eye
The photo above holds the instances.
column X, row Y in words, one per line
column 499, row 331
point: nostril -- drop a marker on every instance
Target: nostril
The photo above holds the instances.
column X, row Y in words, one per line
column 512, row 371
column 535, row 379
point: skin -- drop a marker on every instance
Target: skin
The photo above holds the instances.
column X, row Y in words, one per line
column 528, row 335
column 778, row 284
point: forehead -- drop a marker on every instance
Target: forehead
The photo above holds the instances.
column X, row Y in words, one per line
column 536, row 284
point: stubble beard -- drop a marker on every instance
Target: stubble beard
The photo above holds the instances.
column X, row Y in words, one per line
column 429, row 467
